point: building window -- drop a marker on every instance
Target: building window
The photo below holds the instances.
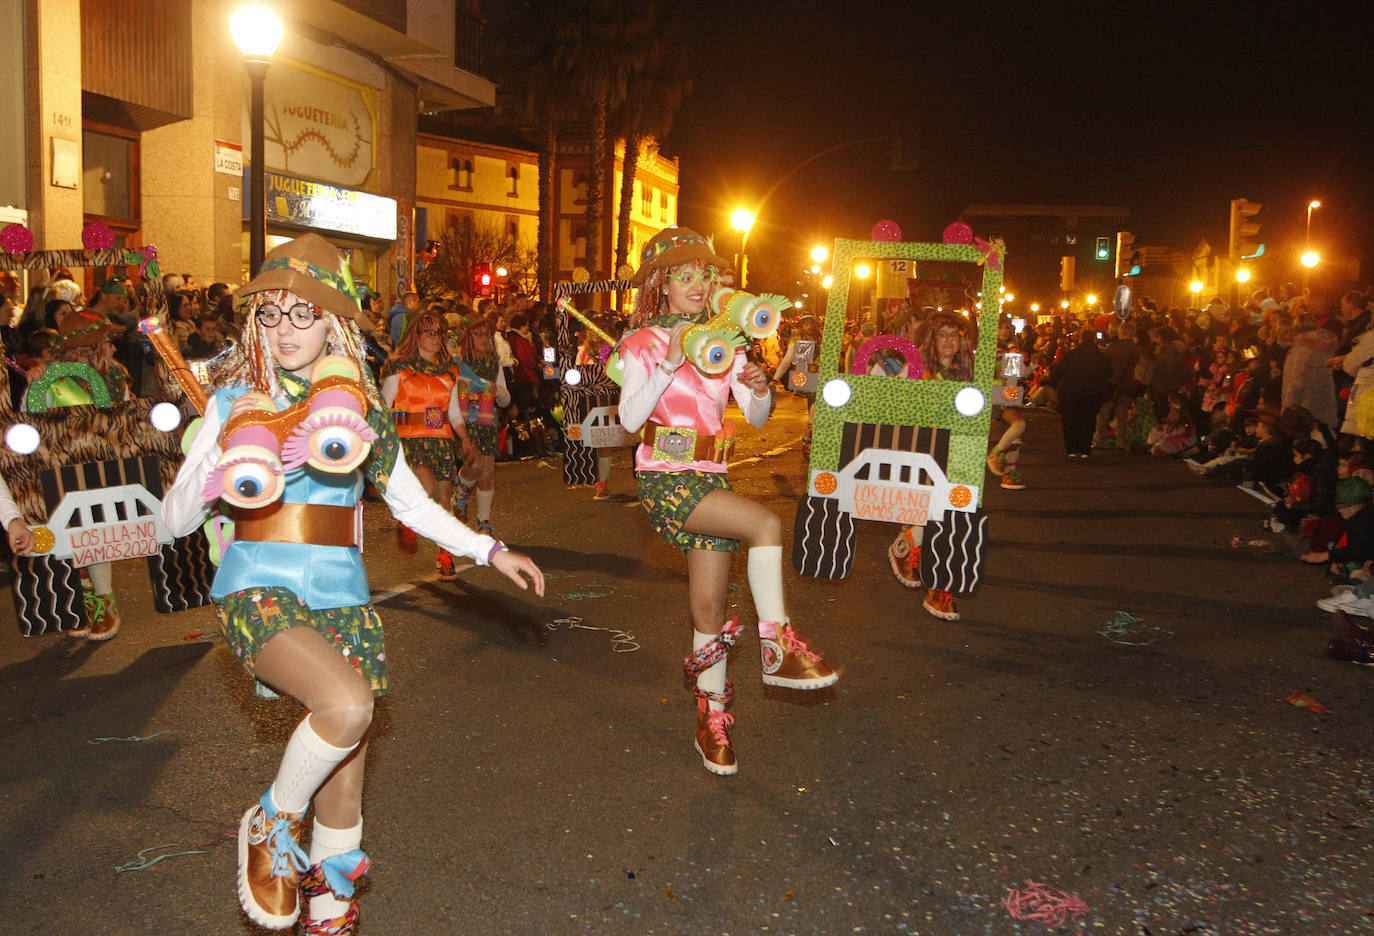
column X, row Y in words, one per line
column 513, row 173
column 109, row 190
column 513, row 228
column 646, row 201
column 460, row 174
column 663, row 206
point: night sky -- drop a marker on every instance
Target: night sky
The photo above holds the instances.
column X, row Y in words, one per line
column 1168, row 111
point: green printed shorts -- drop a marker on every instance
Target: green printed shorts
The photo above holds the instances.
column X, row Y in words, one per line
column 669, row 497
column 249, row 618
column 433, row 453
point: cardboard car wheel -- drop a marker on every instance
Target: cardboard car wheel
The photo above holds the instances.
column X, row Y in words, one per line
column 823, row 538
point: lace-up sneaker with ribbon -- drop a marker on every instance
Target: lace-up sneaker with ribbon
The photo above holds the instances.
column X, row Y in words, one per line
column 905, row 561
column 713, row 740
column 444, row 564
column 270, row 865
column 334, row 876
column 104, row 617
column 789, row 661
column 1011, row 481
column 484, row 527
column 941, row 604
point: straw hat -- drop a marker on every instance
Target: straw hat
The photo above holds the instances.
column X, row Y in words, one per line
column 83, row 329
column 674, row 246
column 313, row 269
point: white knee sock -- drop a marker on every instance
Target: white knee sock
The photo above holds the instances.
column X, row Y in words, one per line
column 765, row 581
column 603, row 468
column 484, row 503
column 305, row 765
column 711, row 679
column 326, row 843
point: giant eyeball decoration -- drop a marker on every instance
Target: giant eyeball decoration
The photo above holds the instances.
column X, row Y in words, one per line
column 887, row 230
column 249, row 473
column 711, row 352
column 250, row 482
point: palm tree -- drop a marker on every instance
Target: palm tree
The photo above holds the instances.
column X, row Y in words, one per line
column 601, row 46
column 652, row 99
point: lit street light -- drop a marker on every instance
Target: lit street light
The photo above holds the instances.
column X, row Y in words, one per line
column 827, row 281
column 1311, row 259
column 256, row 31
column 1308, row 236
column 1063, row 303
column 1195, row 287
column 815, row 268
column 1035, row 307
column 1091, row 299
column 1242, row 275
column 1008, row 297
column 819, row 254
column 863, row 271
column 742, row 220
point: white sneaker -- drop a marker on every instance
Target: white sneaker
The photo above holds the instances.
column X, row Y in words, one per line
column 1341, row 590
column 1348, row 602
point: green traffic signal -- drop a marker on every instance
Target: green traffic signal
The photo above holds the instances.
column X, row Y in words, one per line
column 1104, row 249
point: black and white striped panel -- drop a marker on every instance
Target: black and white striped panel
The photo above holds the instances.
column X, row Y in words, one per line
column 952, row 552
column 594, row 286
column 860, row 436
column 47, row 595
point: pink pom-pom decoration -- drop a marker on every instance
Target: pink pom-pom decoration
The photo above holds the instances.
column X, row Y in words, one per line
column 887, row 230
column 16, row 239
column 958, row 233
column 97, row 236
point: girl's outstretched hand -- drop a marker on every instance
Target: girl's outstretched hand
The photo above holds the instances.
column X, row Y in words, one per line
column 515, row 566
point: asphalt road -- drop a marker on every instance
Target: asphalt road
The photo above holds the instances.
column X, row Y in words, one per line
column 532, row 771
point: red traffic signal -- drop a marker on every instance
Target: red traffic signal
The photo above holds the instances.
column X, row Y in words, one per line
column 482, row 280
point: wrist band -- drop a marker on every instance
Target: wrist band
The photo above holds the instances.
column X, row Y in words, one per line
column 495, row 548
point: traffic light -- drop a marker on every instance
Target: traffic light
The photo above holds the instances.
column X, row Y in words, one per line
column 1245, row 243
column 1104, row 248
column 1127, row 257
column 1066, row 265
column 482, row 280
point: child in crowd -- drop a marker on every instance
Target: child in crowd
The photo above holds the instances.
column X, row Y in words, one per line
column 1175, row 434
column 1355, row 546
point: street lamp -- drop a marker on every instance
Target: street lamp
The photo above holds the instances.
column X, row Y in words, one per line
column 819, row 254
column 1008, row 297
column 815, row 268
column 1035, row 307
column 863, row 271
column 1308, row 236
column 1063, row 303
column 742, row 220
column 1311, row 259
column 827, row 281
column 256, row 31
column 1195, row 287
column 1091, row 299
column 1242, row 275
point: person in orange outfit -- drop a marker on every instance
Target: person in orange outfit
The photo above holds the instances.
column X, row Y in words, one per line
column 420, row 386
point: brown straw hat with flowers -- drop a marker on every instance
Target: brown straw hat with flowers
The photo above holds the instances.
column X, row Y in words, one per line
column 312, row 268
column 674, row 246
column 85, row 329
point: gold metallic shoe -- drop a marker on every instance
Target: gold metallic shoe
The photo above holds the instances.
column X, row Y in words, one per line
column 713, row 740
column 270, row 865
column 788, row 661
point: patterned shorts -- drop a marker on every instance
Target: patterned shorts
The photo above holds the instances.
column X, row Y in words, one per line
column 432, row 453
column 669, row 497
column 249, row 618
column 483, row 438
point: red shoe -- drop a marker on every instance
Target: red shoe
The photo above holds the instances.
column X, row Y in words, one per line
column 445, row 566
column 941, row 604
column 405, row 539
column 603, row 491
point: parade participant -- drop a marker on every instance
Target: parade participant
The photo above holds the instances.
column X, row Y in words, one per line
column 684, row 488
column 291, row 589
column 592, row 350
column 797, row 369
column 86, row 338
column 947, row 353
column 481, row 392
column 1004, row 455
column 420, row 385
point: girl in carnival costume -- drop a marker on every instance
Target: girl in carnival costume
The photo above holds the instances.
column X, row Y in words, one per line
column 87, row 338
column 1005, row 454
column 291, row 589
column 684, row 489
column 948, row 355
column 481, row 392
column 420, row 384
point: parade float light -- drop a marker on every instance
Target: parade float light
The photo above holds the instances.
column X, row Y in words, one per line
column 1311, row 259
column 969, row 401
column 572, row 376
column 22, row 439
column 165, row 417
column 836, row 393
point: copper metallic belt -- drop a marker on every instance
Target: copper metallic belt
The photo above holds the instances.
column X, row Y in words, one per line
column 689, row 445
column 434, row 417
column 281, row 522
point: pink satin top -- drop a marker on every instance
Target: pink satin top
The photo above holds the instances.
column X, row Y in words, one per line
column 692, row 399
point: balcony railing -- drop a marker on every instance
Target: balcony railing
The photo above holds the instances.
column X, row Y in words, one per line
column 467, row 41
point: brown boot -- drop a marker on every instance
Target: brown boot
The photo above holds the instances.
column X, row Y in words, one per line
column 941, row 604
column 270, row 865
column 788, row 661
column 713, row 740
column 105, row 617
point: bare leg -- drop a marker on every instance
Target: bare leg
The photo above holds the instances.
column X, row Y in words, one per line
column 708, row 573
column 728, row 515
column 425, row 477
